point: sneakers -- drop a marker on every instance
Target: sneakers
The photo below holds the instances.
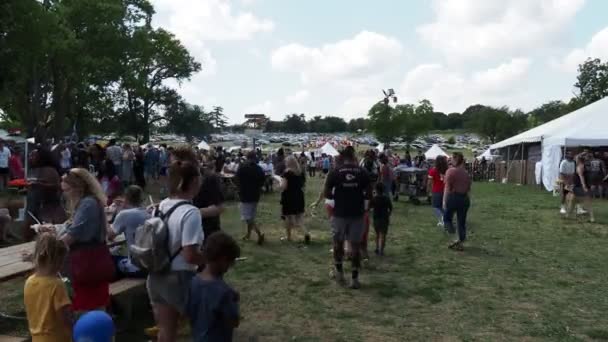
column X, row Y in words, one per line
column 440, row 224
column 562, row 210
column 261, row 239
column 355, row 285
column 307, row 239
column 580, row 210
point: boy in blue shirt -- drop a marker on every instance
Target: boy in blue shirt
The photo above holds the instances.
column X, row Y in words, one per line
column 213, row 306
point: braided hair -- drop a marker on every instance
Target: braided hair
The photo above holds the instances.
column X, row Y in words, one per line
column 49, row 252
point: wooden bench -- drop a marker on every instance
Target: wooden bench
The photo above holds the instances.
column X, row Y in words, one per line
column 122, row 286
column 5, row 338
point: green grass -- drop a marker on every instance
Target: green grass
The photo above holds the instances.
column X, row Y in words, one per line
column 526, row 275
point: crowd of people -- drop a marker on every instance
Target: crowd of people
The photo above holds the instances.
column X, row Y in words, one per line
column 582, row 178
column 101, row 194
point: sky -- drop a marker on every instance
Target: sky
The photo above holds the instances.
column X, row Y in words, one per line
column 334, row 57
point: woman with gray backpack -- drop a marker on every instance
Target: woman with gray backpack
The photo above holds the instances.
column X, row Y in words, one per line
column 178, row 228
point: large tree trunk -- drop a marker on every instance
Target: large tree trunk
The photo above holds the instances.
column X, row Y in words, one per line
column 61, row 101
column 146, row 122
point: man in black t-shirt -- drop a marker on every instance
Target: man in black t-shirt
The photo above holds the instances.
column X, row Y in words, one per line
column 210, row 201
column 250, row 178
column 350, row 188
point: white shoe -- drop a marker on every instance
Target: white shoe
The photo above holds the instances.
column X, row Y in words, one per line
column 581, row 211
column 440, row 224
column 562, row 210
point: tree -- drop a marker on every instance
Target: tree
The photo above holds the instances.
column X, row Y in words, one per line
column 385, row 122
column 218, row 119
column 154, row 57
column 188, row 120
column 455, row 121
column 355, row 125
column 295, row 123
column 416, row 120
column 592, row 80
column 335, row 124
column 547, row 112
column 496, row 123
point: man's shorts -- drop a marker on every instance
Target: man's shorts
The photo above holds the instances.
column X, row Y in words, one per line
column 347, row 228
column 170, row 289
column 248, row 210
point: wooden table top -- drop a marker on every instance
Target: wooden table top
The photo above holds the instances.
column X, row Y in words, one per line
column 11, row 260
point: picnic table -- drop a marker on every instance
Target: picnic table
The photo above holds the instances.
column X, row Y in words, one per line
column 11, row 259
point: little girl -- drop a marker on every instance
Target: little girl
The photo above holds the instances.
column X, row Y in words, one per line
column 47, row 304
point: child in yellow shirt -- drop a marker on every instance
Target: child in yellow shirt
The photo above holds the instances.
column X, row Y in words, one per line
column 46, row 299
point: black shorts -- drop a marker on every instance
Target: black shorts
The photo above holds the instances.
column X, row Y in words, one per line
column 381, row 225
column 3, row 170
column 325, row 171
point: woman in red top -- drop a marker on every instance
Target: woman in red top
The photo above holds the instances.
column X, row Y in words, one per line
column 15, row 165
column 456, row 199
column 436, row 186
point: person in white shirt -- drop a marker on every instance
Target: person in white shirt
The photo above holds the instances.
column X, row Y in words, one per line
column 168, row 292
column 5, row 155
column 567, row 169
column 66, row 159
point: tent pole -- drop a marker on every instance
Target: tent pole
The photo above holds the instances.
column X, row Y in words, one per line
column 508, row 157
column 521, row 166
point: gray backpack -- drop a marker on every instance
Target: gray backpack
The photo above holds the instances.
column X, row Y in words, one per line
column 150, row 250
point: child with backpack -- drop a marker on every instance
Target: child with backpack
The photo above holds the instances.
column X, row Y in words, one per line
column 383, row 208
column 213, row 306
column 47, row 304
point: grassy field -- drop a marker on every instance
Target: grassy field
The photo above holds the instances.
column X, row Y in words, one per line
column 526, row 275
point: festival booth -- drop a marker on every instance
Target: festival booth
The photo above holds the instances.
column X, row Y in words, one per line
column 547, row 143
column 434, row 152
column 329, row 150
column 204, row 146
column 487, row 154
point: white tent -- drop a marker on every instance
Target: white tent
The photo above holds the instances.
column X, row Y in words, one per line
column 434, row 152
column 203, row 145
column 583, row 127
column 329, row 150
column 487, row 154
column 380, row 148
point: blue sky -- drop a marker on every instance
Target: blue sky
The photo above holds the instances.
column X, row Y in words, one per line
column 333, row 57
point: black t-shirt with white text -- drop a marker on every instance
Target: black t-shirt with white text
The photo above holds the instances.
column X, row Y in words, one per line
column 348, row 185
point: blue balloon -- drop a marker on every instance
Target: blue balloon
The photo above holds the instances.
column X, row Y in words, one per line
column 94, row 326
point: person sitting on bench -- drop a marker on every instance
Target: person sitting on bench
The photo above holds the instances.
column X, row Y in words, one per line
column 126, row 222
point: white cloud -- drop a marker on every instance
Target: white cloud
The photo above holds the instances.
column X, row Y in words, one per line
column 298, row 97
column 596, row 48
column 196, row 22
column 498, row 78
column 357, row 106
column 364, row 54
column 209, row 20
column 248, row 2
column 453, row 91
column 465, row 29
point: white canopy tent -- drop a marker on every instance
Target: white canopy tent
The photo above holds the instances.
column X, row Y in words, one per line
column 488, row 155
column 380, row 148
column 434, row 152
column 329, row 150
column 204, row 146
column 583, row 127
